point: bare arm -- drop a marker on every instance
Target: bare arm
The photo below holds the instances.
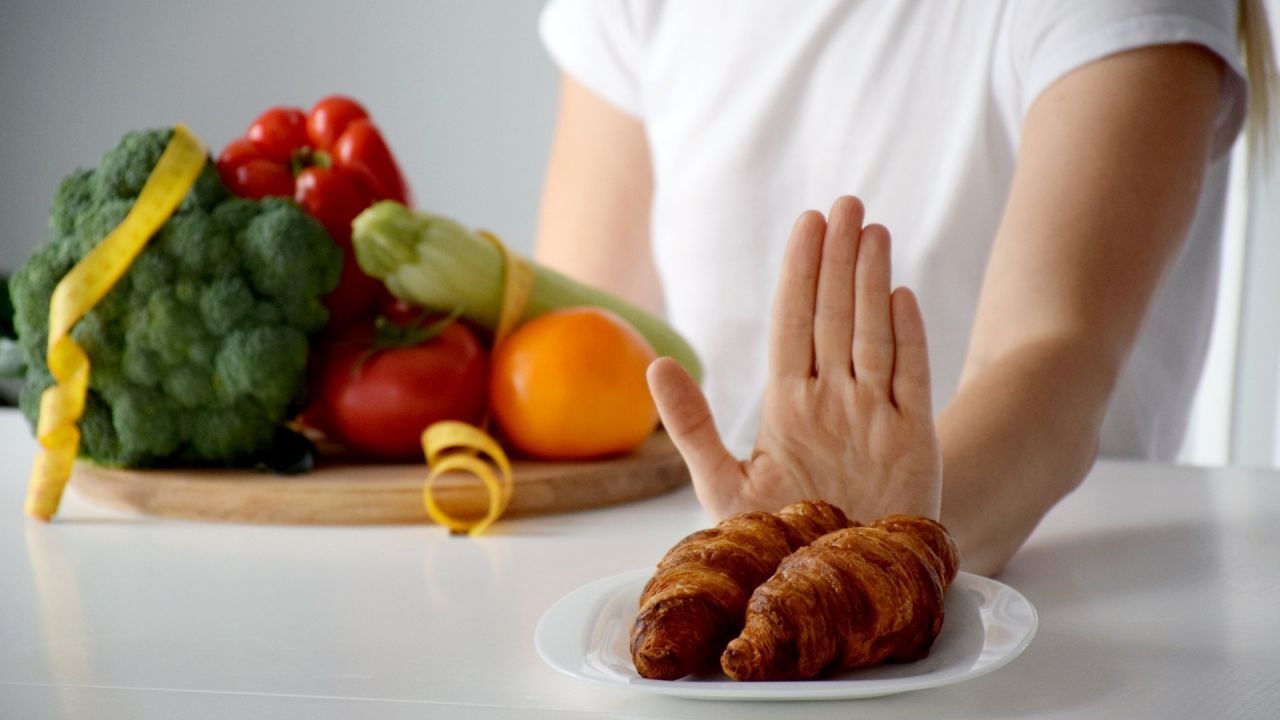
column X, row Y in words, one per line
column 1109, row 172
column 1108, row 176
column 594, row 221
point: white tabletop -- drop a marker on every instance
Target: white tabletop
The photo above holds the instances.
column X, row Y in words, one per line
column 1157, row 589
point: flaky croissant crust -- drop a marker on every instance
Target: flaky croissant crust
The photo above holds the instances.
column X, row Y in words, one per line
column 696, row 600
column 854, row 598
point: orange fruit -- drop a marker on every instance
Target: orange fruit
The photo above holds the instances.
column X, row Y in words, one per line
column 570, row 385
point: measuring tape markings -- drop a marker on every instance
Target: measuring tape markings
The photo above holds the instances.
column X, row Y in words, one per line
column 62, row 405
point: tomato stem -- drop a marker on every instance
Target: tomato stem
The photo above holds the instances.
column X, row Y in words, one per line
column 387, row 335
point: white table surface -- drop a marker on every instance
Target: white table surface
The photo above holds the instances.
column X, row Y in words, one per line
column 1158, row 591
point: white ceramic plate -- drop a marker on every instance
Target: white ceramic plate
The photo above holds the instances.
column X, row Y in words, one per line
column 585, row 634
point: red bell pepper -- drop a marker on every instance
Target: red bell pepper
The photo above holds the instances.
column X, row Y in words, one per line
column 334, row 162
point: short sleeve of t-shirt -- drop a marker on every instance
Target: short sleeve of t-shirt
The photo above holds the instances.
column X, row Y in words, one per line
column 1050, row 38
column 598, row 43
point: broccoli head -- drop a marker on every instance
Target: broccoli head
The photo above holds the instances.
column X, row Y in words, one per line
column 199, row 352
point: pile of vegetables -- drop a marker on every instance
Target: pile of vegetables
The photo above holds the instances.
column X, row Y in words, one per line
column 579, row 396
column 295, row 287
column 334, row 162
column 436, row 263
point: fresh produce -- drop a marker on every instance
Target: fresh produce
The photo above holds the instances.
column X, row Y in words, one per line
column 570, row 384
column 199, row 353
column 438, row 264
column 334, row 162
column 382, row 384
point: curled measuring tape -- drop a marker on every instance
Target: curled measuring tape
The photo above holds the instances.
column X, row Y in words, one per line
column 455, row 445
column 451, row 445
column 76, row 294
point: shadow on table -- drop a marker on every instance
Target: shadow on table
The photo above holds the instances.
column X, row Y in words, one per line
column 1069, row 666
column 1061, row 574
column 1065, row 673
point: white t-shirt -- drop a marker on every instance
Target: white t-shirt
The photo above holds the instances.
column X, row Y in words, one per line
column 756, row 110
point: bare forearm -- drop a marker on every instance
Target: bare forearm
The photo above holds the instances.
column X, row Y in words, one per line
column 1109, row 171
column 1021, row 434
column 594, row 220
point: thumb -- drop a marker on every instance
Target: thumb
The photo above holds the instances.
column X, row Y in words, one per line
column 687, row 418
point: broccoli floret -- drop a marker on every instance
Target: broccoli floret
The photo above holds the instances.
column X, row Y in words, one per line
column 199, row 352
column 125, row 168
column 273, row 244
column 75, row 196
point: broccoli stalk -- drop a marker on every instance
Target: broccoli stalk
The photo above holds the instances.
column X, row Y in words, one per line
column 199, row 353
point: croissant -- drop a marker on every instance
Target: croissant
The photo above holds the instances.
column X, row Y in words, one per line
column 854, row 598
column 695, row 601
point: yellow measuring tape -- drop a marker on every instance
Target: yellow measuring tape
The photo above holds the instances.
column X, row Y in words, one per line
column 450, row 445
column 75, row 295
column 453, row 445
column 517, row 284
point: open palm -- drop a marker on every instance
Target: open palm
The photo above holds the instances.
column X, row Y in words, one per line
column 847, row 415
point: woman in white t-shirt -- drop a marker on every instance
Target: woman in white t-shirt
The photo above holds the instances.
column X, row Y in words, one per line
column 1053, row 172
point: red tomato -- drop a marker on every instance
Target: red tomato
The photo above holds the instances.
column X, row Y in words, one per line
column 380, row 403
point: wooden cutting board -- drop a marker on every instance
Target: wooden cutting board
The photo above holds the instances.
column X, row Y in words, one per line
column 345, row 494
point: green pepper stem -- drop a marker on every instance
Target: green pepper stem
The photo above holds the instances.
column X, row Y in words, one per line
column 305, row 157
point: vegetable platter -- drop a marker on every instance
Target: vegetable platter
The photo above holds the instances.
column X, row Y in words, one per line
column 280, row 336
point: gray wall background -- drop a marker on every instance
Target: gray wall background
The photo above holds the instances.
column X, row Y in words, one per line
column 462, row 90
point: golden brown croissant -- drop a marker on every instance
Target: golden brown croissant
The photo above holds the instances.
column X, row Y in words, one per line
column 696, row 599
column 854, row 598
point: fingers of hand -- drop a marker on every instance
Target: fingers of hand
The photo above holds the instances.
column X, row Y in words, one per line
column 873, row 344
column 688, row 421
column 791, row 328
column 833, row 312
column 911, row 389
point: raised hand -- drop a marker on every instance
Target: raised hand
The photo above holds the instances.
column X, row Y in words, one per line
column 847, row 415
